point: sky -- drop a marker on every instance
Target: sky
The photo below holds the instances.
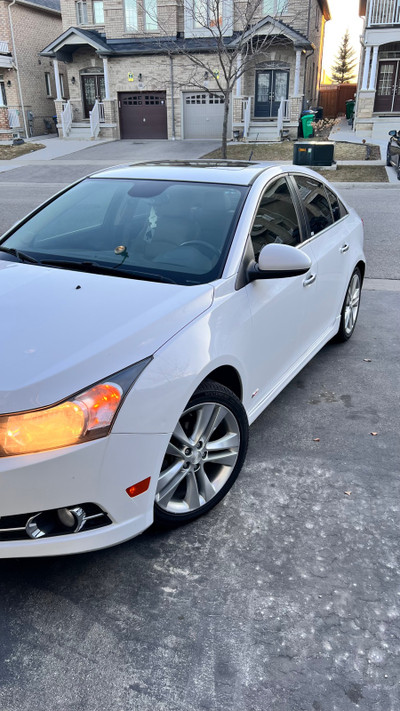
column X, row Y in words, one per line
column 344, row 14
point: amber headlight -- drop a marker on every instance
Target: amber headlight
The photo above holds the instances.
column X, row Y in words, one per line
column 85, row 416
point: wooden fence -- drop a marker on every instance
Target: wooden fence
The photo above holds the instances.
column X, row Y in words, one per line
column 333, row 97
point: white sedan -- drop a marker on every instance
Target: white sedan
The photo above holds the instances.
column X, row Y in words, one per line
column 149, row 314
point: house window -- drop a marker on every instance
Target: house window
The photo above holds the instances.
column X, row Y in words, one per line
column 275, row 7
column 131, row 22
column 81, row 12
column 98, row 12
column 207, row 13
column 48, row 83
column 3, row 98
column 62, row 84
column 150, row 15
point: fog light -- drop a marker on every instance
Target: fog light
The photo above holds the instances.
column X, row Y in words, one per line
column 72, row 518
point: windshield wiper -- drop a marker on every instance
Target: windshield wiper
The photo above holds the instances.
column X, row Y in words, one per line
column 20, row 255
column 97, row 268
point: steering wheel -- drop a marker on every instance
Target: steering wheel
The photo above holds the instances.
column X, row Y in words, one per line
column 202, row 243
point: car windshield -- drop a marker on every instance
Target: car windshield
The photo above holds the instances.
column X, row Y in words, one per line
column 152, row 229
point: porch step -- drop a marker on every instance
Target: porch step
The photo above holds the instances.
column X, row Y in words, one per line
column 382, row 126
column 263, row 132
column 79, row 130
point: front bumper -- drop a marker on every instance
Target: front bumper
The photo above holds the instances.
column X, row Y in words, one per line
column 98, row 472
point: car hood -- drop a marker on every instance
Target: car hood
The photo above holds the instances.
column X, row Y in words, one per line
column 63, row 330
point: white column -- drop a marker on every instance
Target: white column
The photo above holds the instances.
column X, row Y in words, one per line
column 57, row 78
column 106, row 81
column 367, row 59
column 374, row 66
column 297, row 73
column 239, row 79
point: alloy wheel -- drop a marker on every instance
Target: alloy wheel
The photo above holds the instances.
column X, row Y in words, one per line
column 200, row 458
column 352, row 303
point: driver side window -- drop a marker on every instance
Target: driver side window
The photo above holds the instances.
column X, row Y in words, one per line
column 276, row 218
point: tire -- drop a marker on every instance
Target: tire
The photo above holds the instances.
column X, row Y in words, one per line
column 398, row 169
column 388, row 161
column 350, row 308
column 197, row 473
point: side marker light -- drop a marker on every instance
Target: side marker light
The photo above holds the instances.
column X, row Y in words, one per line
column 138, row 488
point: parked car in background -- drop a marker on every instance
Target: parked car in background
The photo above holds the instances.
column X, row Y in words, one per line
column 393, row 151
column 150, row 313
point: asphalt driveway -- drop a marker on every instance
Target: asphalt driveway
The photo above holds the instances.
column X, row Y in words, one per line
column 283, row 598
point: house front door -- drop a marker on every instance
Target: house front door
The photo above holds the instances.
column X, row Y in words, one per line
column 272, row 86
column 387, row 97
column 93, row 89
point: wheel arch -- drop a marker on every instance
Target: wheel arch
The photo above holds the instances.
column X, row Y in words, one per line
column 227, row 375
column 361, row 267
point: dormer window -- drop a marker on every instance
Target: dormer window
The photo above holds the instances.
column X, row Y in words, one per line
column 81, row 12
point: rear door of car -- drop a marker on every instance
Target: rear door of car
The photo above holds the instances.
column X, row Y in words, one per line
column 330, row 230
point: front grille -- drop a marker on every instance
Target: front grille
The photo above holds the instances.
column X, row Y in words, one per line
column 13, row 528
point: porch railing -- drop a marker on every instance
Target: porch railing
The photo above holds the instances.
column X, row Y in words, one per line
column 384, row 12
column 14, row 119
column 66, row 118
column 94, row 116
column 283, row 113
column 246, row 116
column 3, row 47
column 101, row 112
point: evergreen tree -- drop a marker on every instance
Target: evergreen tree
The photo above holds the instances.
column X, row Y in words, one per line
column 345, row 62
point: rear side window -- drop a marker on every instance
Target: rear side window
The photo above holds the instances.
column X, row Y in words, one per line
column 315, row 201
column 338, row 209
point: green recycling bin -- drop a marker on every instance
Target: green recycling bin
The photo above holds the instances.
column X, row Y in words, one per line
column 306, row 121
column 350, row 103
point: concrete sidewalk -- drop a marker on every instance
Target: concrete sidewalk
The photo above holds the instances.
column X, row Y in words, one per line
column 116, row 152
column 54, row 148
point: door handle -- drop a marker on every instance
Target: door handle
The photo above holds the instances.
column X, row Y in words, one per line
column 310, row 280
column 344, row 248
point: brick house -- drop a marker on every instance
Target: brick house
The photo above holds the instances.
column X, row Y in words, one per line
column 378, row 99
column 128, row 75
column 26, row 79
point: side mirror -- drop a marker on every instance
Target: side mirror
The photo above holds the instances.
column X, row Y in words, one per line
column 392, row 133
column 277, row 261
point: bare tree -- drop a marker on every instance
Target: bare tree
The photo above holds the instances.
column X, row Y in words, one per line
column 229, row 53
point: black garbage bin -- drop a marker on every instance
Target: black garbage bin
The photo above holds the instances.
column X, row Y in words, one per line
column 319, row 112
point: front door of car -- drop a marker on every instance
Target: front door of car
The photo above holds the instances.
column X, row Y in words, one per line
column 330, row 240
column 281, row 307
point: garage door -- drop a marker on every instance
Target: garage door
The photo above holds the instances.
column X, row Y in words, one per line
column 203, row 115
column 143, row 114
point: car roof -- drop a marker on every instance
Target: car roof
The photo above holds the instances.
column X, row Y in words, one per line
column 198, row 171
